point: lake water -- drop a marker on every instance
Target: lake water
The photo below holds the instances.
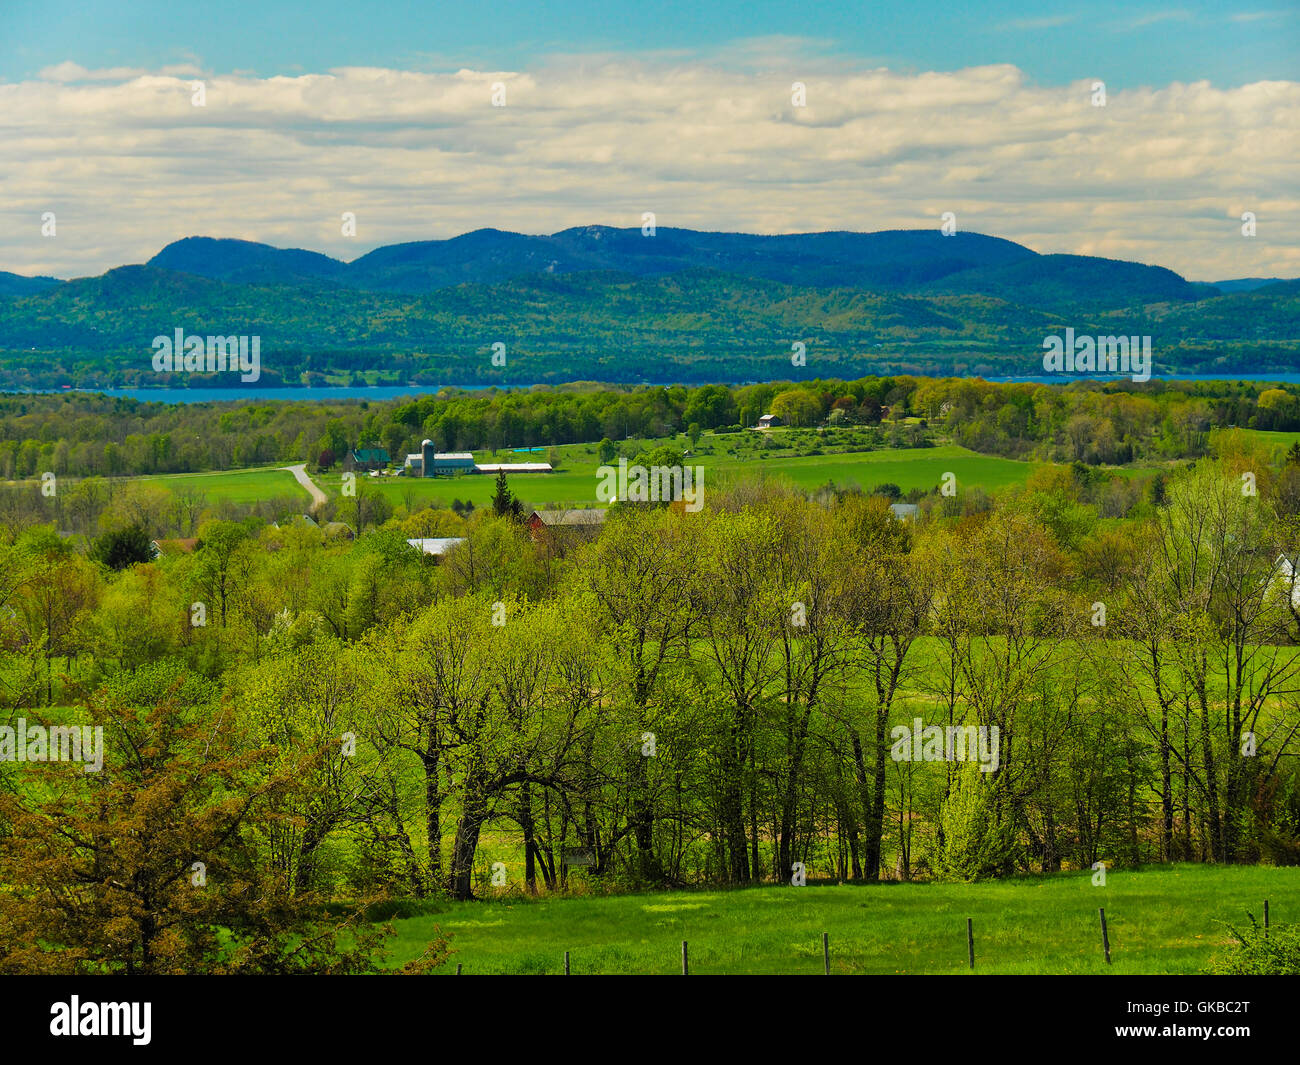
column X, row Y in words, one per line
column 1291, row 377
column 263, row 395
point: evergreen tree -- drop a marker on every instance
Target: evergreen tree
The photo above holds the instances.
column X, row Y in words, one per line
column 122, row 548
column 502, row 499
column 504, row 503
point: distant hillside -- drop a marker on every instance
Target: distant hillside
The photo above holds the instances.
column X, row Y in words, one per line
column 894, row 260
column 1065, row 281
column 18, row 285
column 615, row 305
column 1248, row 284
column 698, row 324
column 246, row 262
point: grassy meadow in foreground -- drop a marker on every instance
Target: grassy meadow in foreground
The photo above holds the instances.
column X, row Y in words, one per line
column 1168, row 919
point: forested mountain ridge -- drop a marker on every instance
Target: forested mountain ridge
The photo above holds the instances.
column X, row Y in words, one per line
column 894, row 260
column 614, row 305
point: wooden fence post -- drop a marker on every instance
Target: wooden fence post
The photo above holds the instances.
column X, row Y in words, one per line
column 826, row 951
column 685, row 967
column 970, row 941
column 1105, row 939
column 566, row 963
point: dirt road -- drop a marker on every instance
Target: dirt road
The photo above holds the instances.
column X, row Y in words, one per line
column 319, row 498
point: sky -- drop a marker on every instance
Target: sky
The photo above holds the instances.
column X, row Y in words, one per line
column 429, row 120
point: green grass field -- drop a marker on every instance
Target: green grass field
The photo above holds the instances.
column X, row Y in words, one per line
column 1167, row 919
column 908, row 468
column 241, row 486
column 723, row 457
column 1280, row 441
column 568, row 487
column 575, row 482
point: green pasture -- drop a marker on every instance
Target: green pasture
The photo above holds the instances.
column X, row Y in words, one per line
column 574, row 482
column 240, row 486
column 1280, row 441
column 1167, row 919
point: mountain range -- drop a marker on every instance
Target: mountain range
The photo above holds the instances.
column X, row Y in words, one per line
column 895, row 260
column 618, row 305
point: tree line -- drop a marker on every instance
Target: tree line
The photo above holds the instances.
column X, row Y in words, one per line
column 84, row 435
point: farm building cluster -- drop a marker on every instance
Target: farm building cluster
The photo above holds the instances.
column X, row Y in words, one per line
column 429, row 462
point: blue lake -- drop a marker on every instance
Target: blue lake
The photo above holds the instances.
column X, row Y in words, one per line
column 1291, row 377
column 263, row 395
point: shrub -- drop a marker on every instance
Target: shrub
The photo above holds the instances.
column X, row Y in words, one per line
column 386, row 909
column 390, row 909
column 978, row 842
column 122, row 548
column 1255, row 955
column 1279, row 847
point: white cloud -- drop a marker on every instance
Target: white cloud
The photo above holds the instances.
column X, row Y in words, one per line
column 1157, row 175
column 74, row 72
column 1042, row 22
column 1141, row 20
column 1258, row 16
